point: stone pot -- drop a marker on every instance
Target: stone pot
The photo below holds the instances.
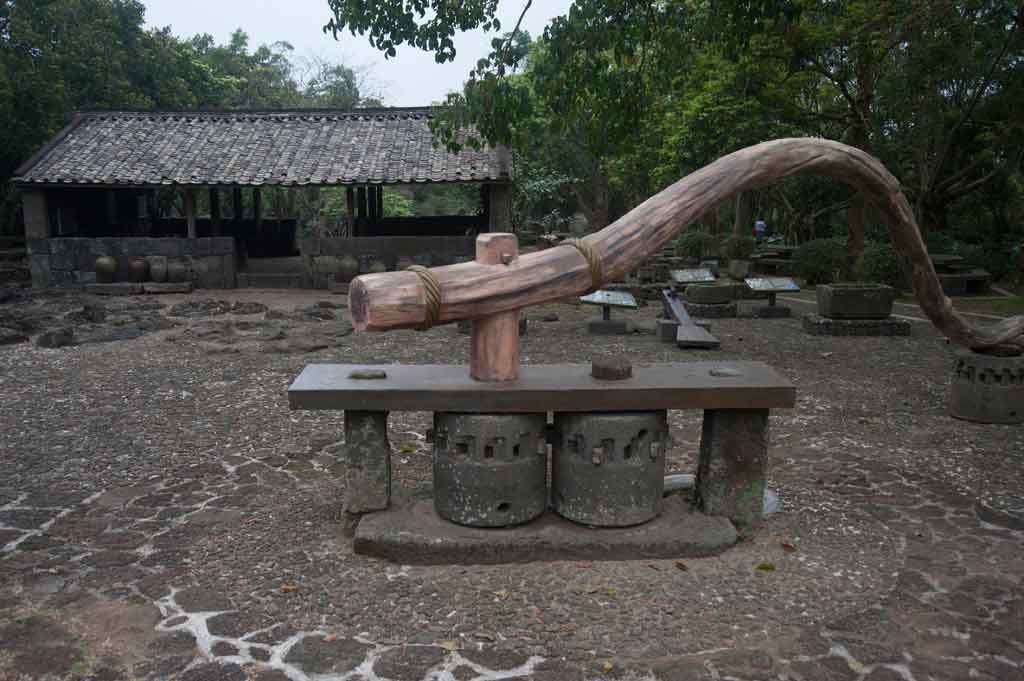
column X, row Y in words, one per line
column 348, row 268
column 106, row 268
column 987, row 388
column 138, row 270
column 177, row 272
column 855, row 301
column 158, row 268
column 739, row 269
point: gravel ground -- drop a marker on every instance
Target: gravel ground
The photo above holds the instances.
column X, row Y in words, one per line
column 163, row 515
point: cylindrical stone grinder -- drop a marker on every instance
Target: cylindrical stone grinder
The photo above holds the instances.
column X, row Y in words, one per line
column 490, row 470
column 608, row 469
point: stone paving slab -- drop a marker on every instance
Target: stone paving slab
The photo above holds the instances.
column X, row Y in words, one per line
column 412, row 533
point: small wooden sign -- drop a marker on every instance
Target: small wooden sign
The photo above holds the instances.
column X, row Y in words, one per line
column 772, row 284
column 610, row 299
column 694, row 276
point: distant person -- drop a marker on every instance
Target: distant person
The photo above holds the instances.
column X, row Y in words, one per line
column 760, row 229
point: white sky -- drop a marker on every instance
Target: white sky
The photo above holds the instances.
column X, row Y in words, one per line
column 412, row 78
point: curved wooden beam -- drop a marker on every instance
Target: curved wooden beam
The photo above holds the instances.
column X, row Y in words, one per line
column 395, row 300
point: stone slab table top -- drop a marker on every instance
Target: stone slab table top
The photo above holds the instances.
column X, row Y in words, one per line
column 548, row 387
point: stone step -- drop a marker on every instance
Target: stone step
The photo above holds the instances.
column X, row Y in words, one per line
column 10, row 272
column 12, row 254
column 287, row 265
column 261, row 280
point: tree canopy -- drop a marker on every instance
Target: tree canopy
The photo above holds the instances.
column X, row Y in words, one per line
column 619, row 98
column 58, row 56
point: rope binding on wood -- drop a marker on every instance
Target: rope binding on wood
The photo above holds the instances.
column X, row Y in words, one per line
column 589, row 254
column 432, row 289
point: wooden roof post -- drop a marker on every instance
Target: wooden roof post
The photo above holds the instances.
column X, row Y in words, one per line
column 499, row 208
column 350, row 205
column 215, row 211
column 190, row 212
column 494, row 349
column 257, row 207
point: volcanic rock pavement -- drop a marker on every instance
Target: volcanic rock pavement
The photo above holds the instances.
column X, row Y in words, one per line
column 164, row 516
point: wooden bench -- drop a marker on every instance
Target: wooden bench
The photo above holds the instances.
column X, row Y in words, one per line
column 736, row 398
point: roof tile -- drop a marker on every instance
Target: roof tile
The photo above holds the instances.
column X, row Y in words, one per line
column 254, row 148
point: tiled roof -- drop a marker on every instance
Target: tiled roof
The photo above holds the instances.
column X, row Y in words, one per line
column 257, row 148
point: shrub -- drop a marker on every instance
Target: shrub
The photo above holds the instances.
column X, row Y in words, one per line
column 991, row 256
column 880, row 264
column 696, row 244
column 739, row 247
column 820, row 261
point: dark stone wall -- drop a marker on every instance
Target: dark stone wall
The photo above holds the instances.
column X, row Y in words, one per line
column 71, row 262
column 321, row 256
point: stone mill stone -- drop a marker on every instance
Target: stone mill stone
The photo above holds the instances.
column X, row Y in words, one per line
column 490, row 470
column 608, row 469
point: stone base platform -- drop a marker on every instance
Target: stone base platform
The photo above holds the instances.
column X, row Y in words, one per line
column 715, row 311
column 412, row 533
column 117, row 288
column 772, row 312
column 816, row 325
column 609, row 327
column 168, row 287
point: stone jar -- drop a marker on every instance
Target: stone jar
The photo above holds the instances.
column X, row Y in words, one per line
column 348, row 268
column 177, row 272
column 138, row 270
column 106, row 268
column 158, row 269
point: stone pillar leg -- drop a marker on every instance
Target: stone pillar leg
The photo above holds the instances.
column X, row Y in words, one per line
column 367, row 461
column 733, row 464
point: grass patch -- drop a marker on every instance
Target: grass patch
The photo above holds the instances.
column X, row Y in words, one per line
column 1010, row 305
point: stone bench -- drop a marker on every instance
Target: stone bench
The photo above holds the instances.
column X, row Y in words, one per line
column 735, row 396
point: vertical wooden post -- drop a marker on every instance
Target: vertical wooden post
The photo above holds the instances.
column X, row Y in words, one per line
column 257, row 207
column 237, row 209
column 360, row 211
column 371, row 204
column 111, row 212
column 152, row 211
column 190, row 212
column 361, row 203
column 499, row 208
column 215, row 211
column 485, row 216
column 350, row 204
column 494, row 349
column 380, row 202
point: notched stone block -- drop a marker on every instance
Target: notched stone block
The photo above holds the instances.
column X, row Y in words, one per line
column 733, row 464
column 367, row 458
